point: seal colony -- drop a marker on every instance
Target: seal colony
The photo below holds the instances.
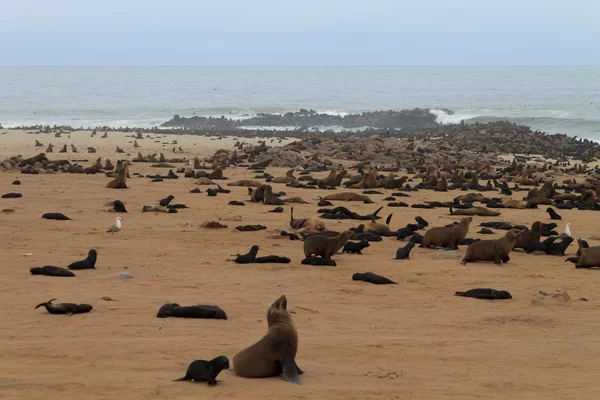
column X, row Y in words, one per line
column 316, row 248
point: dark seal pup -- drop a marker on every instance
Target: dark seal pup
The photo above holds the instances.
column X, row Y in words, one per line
column 275, row 353
column 492, row 250
column 88, row 263
column 205, row 371
column 372, row 278
column 355, row 247
column 56, row 216
column 65, row 308
column 324, row 246
column 403, row 253
column 50, row 270
column 200, row 311
column 529, row 237
column 319, row 261
column 249, row 257
column 486, row 294
column 553, row 214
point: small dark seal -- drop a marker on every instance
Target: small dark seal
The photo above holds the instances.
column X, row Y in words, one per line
column 486, row 294
column 236, row 203
column 355, row 247
column 249, row 257
column 421, row 221
column 372, row 278
column 292, row 236
column 276, row 210
column 319, row 261
column 16, row 182
column 486, row 231
column 250, row 228
column 272, row 259
column 56, row 216
column 88, row 263
column 553, row 214
column 12, row 195
column 50, row 270
column 403, row 253
column 205, row 371
column 118, row 206
column 65, row 308
column 199, row 311
column 165, row 202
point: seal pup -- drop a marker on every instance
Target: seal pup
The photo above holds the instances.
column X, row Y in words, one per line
column 529, row 237
column 65, row 308
column 355, row 247
column 118, row 206
column 318, row 261
column 540, row 246
column 558, row 249
column 56, row 216
column 372, row 278
column 199, row 311
column 486, row 294
column 324, row 246
column 205, row 371
column 403, row 253
column 275, row 353
column 492, row 250
column 553, row 214
column 117, row 226
column 165, row 202
column 50, row 270
column 447, row 237
column 249, row 257
column 88, row 263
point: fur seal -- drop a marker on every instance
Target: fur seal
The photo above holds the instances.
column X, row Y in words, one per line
column 540, row 246
column 246, row 183
column 589, row 257
column 270, row 198
column 249, row 257
column 325, row 246
column 558, row 249
column 276, row 210
column 205, row 371
column 307, row 224
column 250, row 228
column 478, row 211
column 272, row 259
column 486, row 294
column 355, row 247
column 292, row 236
column 120, row 182
column 403, row 253
column 65, row 308
column 199, row 311
column 56, row 216
column 529, row 237
column 372, row 278
column 12, row 195
column 553, row 214
column 118, row 206
column 447, row 237
column 318, row 261
column 275, row 353
column 50, row 270
column 88, row 263
column 165, row 202
column 492, row 250
column 347, row 196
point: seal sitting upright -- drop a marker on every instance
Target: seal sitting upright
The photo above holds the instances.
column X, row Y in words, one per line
column 275, row 353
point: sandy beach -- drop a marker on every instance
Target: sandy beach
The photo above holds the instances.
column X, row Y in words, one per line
column 413, row 340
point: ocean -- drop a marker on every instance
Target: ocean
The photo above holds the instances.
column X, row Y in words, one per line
column 551, row 99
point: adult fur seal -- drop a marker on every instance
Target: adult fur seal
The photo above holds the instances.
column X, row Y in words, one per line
column 205, row 371
column 88, row 263
column 347, row 196
column 65, row 308
column 403, row 253
column 120, row 182
column 270, row 198
column 307, row 224
column 589, row 257
column 447, row 237
column 50, row 270
column 492, row 250
column 56, row 216
column 324, row 246
column 275, row 353
column 372, row 278
column 486, row 294
column 529, row 237
column 199, row 311
column 478, row 211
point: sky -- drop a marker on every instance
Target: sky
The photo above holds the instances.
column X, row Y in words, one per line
column 306, row 32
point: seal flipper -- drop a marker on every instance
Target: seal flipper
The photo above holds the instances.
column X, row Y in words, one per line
column 181, row 379
column 212, row 382
column 300, row 372
column 289, row 367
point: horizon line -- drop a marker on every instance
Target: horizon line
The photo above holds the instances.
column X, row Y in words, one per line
column 293, row 65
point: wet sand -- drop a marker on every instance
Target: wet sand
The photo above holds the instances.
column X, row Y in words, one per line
column 357, row 341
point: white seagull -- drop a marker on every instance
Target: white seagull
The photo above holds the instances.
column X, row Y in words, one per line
column 567, row 232
column 117, row 226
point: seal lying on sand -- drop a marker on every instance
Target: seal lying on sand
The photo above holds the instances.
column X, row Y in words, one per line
column 486, row 294
column 275, row 353
column 306, row 224
column 50, row 270
column 447, row 237
column 478, row 211
column 372, row 278
column 200, row 311
column 492, row 250
column 56, row 216
column 347, row 196
column 205, row 371
column 65, row 308
column 318, row 261
column 88, row 263
column 324, row 246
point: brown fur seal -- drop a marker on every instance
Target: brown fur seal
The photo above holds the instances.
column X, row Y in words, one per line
column 308, row 225
column 324, row 246
column 120, row 182
column 588, row 257
column 529, row 237
column 258, row 194
column 288, row 178
column 275, row 353
column 478, row 211
column 492, row 250
column 447, row 237
column 270, row 198
column 347, row 196
column 373, row 226
column 246, row 183
column 295, row 200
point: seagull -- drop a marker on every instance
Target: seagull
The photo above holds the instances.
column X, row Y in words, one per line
column 117, row 226
column 567, row 232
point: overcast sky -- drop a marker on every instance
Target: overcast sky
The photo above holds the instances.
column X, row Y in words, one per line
column 304, row 32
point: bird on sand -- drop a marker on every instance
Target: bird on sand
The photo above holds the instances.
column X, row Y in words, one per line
column 117, row 226
column 567, row 232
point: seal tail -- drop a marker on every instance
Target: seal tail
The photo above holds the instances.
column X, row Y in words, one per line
column 389, row 219
column 459, row 293
column 44, row 304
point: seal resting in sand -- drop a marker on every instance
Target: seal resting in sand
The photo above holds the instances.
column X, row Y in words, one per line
column 372, row 278
column 324, row 246
column 347, row 196
column 50, row 270
column 449, row 237
column 275, row 353
column 246, row 183
column 492, row 250
column 56, row 216
column 308, row 225
column 199, row 311
column 478, row 211
column 486, row 294
column 65, row 308
column 205, row 371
